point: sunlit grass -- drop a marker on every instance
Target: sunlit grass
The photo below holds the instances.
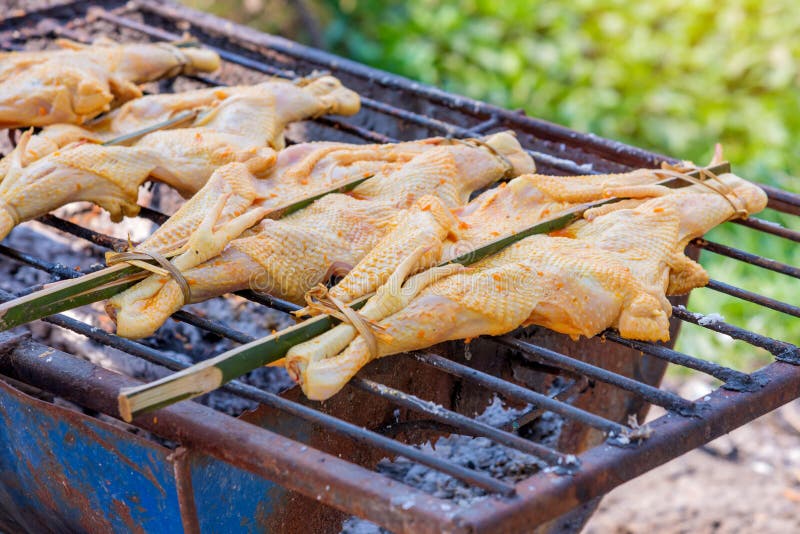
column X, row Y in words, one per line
column 669, row 76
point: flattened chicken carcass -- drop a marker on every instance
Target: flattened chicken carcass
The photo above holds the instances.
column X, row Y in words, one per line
column 79, row 82
column 610, row 272
column 416, row 182
column 256, row 114
column 504, row 210
column 245, row 126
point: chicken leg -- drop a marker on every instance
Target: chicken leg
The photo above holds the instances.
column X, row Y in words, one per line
column 243, row 127
column 252, row 116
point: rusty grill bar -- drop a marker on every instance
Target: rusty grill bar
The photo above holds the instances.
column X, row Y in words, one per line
column 534, row 500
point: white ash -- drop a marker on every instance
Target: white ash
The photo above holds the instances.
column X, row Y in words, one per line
column 497, row 414
column 710, row 319
column 53, row 247
column 356, row 525
column 771, row 223
column 547, row 430
column 479, row 454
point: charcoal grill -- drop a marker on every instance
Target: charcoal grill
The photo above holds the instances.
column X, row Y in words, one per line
column 296, row 465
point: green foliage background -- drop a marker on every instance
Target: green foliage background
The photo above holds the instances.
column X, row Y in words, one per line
column 667, row 75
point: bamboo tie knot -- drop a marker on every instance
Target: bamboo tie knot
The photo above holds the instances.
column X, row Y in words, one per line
column 706, row 178
column 140, row 258
column 476, row 142
column 319, row 301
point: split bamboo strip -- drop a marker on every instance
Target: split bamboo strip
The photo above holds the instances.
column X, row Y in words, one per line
column 105, row 283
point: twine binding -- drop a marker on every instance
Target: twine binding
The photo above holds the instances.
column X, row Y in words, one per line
column 167, row 268
column 321, row 302
column 706, row 178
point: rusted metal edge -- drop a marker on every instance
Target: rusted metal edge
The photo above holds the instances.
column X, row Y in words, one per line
column 10, row 340
column 769, row 227
column 68, row 9
column 183, row 484
column 545, row 496
column 262, row 452
column 781, row 200
column 66, row 471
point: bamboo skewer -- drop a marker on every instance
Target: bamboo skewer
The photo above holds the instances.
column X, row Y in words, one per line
column 61, row 296
column 105, row 283
column 181, row 118
column 211, row 374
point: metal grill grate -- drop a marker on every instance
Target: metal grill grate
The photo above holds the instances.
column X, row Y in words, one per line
column 396, row 108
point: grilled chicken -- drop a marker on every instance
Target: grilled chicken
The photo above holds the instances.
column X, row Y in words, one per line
column 287, row 257
column 610, row 272
column 79, row 82
column 244, row 126
column 49, row 140
column 279, row 103
column 501, row 211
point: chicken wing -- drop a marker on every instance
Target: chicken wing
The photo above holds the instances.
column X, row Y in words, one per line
column 610, row 272
column 79, row 82
column 287, row 257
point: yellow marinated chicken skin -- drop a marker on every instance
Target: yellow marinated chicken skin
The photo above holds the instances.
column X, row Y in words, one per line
column 242, row 127
column 78, row 82
column 239, row 118
column 504, row 210
column 107, row 176
column 501, row 211
column 610, row 272
column 300, row 171
column 49, row 140
column 287, row 257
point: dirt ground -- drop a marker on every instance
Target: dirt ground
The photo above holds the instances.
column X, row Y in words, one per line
column 747, row 481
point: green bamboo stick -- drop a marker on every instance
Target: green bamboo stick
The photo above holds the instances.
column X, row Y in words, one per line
column 60, row 296
column 105, row 283
column 180, row 118
column 211, row 374
column 66, row 295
